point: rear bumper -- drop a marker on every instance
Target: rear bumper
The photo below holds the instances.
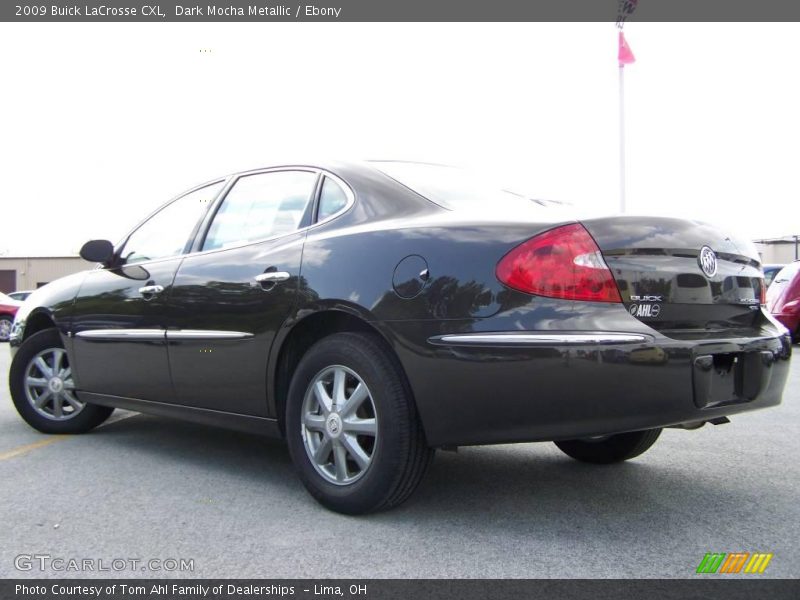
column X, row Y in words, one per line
column 484, row 388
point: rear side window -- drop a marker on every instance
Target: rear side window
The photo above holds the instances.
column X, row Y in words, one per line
column 261, row 206
column 332, row 199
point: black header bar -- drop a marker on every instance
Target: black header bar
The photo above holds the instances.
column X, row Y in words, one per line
column 707, row 588
column 401, row 10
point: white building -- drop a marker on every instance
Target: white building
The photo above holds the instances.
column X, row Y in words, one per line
column 779, row 251
column 31, row 272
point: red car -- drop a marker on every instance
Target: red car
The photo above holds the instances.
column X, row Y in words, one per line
column 783, row 298
column 8, row 308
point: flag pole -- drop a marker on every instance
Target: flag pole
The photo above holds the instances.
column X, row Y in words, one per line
column 624, row 57
column 621, row 137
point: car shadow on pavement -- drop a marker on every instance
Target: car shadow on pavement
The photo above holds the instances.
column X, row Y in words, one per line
column 194, row 446
column 531, row 491
column 512, row 489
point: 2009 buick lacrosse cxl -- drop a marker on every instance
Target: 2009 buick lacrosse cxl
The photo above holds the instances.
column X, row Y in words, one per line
column 372, row 312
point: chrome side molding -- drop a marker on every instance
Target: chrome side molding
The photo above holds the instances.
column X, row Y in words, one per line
column 135, row 335
column 129, row 335
column 527, row 338
column 206, row 334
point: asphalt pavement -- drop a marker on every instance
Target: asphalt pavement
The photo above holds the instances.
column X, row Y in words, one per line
column 143, row 488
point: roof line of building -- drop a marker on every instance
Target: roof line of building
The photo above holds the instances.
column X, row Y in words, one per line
column 786, row 239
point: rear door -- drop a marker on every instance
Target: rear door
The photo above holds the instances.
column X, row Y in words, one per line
column 232, row 295
column 119, row 313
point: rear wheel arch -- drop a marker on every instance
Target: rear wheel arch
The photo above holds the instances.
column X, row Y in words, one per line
column 302, row 337
column 353, row 433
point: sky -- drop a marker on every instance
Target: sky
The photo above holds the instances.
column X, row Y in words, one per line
column 102, row 123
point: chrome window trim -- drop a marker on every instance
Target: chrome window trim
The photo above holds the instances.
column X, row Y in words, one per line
column 119, row 247
column 348, row 192
column 122, row 334
column 537, row 339
column 206, row 334
column 228, row 182
column 206, row 225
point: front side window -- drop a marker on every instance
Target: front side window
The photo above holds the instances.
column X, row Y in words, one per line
column 166, row 232
column 261, row 206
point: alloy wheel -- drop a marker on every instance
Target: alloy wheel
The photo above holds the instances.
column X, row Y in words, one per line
column 339, row 425
column 5, row 330
column 49, row 386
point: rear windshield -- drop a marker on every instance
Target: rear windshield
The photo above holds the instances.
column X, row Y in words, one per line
column 454, row 188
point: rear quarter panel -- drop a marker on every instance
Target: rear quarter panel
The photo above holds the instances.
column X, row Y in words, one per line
column 354, row 268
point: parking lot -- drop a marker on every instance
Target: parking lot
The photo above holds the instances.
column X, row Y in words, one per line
column 145, row 488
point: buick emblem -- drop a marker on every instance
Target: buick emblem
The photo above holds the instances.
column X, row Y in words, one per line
column 707, row 261
column 334, row 425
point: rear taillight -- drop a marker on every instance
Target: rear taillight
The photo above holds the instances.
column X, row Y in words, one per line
column 763, row 291
column 564, row 263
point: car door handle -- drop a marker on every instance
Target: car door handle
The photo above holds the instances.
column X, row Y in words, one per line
column 272, row 277
column 151, row 289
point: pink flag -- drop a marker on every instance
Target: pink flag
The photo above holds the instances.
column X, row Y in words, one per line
column 625, row 55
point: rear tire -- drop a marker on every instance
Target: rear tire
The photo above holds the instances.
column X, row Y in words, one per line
column 615, row 448
column 352, row 427
column 42, row 388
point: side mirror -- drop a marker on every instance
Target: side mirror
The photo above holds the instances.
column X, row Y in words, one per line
column 97, row 251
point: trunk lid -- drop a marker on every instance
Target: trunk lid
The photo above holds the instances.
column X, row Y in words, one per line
column 658, row 264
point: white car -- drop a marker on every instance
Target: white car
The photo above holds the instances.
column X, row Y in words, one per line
column 20, row 295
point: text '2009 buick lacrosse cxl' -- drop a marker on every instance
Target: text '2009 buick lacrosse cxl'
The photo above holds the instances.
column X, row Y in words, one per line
column 372, row 312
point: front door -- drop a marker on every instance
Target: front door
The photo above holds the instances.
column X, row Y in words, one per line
column 119, row 316
column 230, row 298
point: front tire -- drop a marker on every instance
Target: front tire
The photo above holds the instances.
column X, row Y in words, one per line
column 611, row 449
column 42, row 388
column 352, row 427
